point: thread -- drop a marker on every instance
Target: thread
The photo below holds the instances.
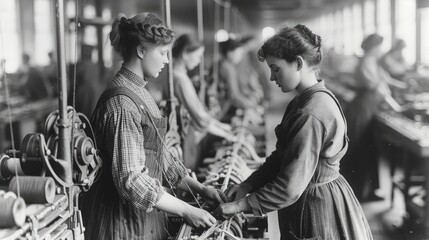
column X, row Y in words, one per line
column 12, row 211
column 34, row 189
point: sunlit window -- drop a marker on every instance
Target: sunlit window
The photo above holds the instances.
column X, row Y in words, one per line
column 330, row 30
column 347, row 31
column 90, row 34
column 267, row 32
column 405, row 21
column 357, row 28
column 369, row 17
column 10, row 44
column 43, row 32
column 384, row 25
column 338, row 32
column 424, row 36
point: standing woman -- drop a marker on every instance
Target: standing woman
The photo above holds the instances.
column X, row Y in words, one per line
column 129, row 201
column 187, row 53
column 301, row 177
column 361, row 162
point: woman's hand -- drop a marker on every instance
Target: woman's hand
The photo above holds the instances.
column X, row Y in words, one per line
column 236, row 192
column 198, row 218
column 213, row 196
column 216, row 130
column 228, row 210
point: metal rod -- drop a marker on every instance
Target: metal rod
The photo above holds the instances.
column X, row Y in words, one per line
column 216, row 44
column 170, row 56
column 64, row 125
column 200, row 13
column 227, row 16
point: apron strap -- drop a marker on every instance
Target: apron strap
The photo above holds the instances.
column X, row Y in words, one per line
column 339, row 107
column 111, row 92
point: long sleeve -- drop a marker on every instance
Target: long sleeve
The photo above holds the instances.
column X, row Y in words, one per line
column 124, row 135
column 187, row 95
column 174, row 170
column 265, row 172
column 298, row 164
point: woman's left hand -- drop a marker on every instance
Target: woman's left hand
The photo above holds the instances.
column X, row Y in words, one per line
column 213, row 196
column 228, row 210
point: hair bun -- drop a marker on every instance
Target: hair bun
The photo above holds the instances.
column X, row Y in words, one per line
column 127, row 25
column 314, row 39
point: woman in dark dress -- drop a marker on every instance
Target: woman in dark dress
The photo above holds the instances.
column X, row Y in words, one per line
column 360, row 166
column 129, row 200
column 301, row 177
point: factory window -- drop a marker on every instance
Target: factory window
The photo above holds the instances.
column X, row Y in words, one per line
column 338, row 32
column 357, row 28
column 347, row 31
column 43, row 32
column 384, row 23
column 405, row 22
column 369, row 17
column 330, row 30
column 267, row 32
column 424, row 37
column 10, row 44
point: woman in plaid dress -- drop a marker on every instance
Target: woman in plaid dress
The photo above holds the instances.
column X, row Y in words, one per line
column 129, row 200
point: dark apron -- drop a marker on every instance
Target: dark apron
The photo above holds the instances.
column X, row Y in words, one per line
column 106, row 214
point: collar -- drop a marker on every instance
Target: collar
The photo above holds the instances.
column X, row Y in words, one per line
column 134, row 78
column 309, row 91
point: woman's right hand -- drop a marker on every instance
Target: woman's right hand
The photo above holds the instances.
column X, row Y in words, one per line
column 198, row 218
column 236, row 192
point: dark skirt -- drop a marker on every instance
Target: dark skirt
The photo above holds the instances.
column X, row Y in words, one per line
column 360, row 164
column 325, row 212
column 106, row 217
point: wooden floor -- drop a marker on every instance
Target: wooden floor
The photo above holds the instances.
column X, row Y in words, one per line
column 386, row 222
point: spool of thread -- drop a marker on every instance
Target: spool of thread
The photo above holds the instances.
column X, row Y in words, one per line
column 12, row 212
column 34, row 189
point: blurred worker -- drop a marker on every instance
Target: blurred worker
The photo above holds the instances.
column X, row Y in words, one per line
column 361, row 163
column 34, row 83
column 248, row 78
column 393, row 61
column 52, row 73
column 89, row 83
column 187, row 53
column 231, row 94
column 301, row 177
column 129, row 129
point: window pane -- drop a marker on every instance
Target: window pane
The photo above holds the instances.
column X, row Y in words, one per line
column 424, row 39
column 357, row 28
column 10, row 45
column 347, row 31
column 369, row 19
column 405, row 22
column 338, row 32
column 44, row 39
column 384, row 26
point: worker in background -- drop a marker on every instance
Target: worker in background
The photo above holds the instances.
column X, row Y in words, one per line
column 52, row 73
column 254, row 80
column 393, row 61
column 372, row 82
column 229, row 85
column 89, row 82
column 129, row 200
column 187, row 53
column 301, row 177
column 34, row 83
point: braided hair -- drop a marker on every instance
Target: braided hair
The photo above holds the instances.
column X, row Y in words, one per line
column 145, row 29
column 289, row 43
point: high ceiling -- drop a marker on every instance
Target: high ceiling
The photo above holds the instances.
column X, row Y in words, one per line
column 274, row 12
